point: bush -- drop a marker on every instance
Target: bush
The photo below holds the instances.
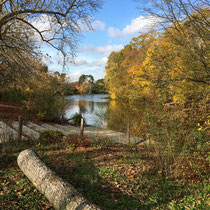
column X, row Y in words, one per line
column 76, row 119
column 45, row 105
column 73, row 141
column 12, row 94
column 51, row 136
column 44, row 98
column 70, row 140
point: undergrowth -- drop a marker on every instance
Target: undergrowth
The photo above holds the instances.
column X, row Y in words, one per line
column 113, row 176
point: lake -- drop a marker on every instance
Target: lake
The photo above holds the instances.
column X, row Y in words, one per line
column 140, row 118
column 93, row 108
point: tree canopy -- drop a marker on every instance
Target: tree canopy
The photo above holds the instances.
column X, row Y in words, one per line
column 172, row 65
column 86, row 84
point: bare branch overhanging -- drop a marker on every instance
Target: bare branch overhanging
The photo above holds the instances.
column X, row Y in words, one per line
column 63, row 21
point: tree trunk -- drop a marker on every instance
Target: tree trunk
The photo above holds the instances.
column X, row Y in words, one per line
column 60, row 194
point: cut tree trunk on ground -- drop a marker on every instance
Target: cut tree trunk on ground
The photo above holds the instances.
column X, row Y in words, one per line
column 60, row 194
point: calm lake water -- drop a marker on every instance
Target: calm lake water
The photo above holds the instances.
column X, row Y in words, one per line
column 139, row 118
column 93, row 108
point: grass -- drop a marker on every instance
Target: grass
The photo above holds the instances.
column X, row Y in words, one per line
column 16, row 191
column 112, row 176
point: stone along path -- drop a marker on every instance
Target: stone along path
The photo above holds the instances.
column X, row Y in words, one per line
column 33, row 130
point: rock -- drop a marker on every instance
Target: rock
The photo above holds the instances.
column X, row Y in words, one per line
column 60, row 194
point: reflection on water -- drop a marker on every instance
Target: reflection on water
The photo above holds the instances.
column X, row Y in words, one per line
column 139, row 118
column 93, row 107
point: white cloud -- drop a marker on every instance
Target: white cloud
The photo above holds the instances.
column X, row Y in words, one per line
column 101, row 63
column 96, row 63
column 114, row 32
column 75, row 76
column 95, row 67
column 46, row 26
column 46, row 59
column 102, row 50
column 98, row 25
column 140, row 24
column 78, row 63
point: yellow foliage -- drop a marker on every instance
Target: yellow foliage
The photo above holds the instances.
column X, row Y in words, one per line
column 172, row 66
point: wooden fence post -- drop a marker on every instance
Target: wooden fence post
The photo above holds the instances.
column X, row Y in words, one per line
column 20, row 128
column 128, row 132
column 82, row 127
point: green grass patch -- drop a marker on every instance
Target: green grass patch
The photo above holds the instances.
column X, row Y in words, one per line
column 17, row 192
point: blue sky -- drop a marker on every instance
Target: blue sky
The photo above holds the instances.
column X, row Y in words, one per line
column 114, row 26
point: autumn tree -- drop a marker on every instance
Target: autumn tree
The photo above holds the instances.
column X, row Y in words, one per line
column 169, row 65
column 99, row 86
column 124, row 70
column 117, row 72
column 140, row 84
column 186, row 23
column 87, row 78
column 86, row 83
column 182, row 52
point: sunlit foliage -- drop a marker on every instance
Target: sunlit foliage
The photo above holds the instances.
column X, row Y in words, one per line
column 168, row 66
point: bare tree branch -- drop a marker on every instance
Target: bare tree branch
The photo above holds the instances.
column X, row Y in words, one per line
column 20, row 20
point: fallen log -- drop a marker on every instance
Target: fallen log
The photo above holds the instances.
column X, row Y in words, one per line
column 60, row 194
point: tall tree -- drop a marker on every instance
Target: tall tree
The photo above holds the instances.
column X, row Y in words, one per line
column 186, row 22
column 20, row 24
column 86, row 83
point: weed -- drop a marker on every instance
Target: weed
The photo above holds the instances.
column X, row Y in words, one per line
column 102, row 143
column 71, row 147
column 74, row 156
column 50, row 136
column 107, row 172
column 197, row 200
column 76, row 141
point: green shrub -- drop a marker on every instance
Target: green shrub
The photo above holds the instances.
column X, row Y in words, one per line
column 71, row 147
column 12, row 94
column 45, row 105
column 76, row 119
column 51, row 136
